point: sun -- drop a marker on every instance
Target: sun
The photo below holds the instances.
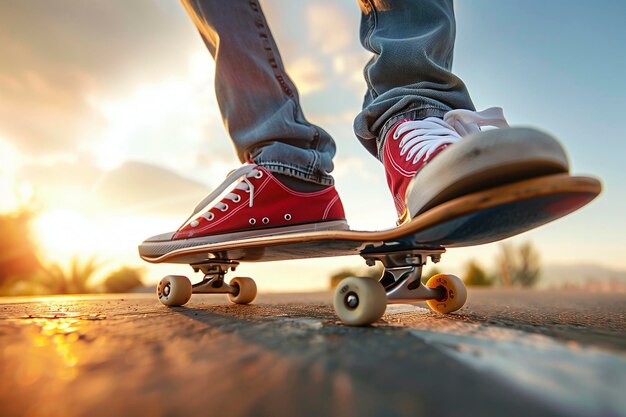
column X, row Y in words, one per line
column 62, row 233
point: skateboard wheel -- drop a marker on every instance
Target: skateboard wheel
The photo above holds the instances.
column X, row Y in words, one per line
column 247, row 290
column 174, row 290
column 456, row 293
column 359, row 301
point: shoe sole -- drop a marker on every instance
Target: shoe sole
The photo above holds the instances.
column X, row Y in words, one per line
column 485, row 160
column 162, row 244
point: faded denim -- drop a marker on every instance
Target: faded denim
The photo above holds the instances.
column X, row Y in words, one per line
column 409, row 76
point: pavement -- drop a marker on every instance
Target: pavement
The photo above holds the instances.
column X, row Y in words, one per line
column 506, row 353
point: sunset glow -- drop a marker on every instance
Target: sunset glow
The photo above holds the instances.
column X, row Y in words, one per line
column 64, row 231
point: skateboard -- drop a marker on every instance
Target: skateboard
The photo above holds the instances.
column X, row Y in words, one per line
column 473, row 219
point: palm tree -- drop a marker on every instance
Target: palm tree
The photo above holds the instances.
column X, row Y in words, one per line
column 74, row 281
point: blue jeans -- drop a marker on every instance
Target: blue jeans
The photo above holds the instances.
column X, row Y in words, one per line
column 409, row 76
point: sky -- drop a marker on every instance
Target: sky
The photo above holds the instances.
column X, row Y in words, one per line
column 109, row 126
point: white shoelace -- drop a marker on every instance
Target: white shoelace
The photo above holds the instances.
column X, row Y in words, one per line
column 244, row 173
column 420, row 138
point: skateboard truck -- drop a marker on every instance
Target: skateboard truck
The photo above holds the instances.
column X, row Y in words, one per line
column 213, row 281
column 401, row 277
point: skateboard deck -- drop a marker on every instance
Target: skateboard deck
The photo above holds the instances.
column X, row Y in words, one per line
column 482, row 217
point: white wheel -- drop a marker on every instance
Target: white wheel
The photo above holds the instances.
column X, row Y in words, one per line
column 359, row 301
column 174, row 290
column 247, row 290
column 456, row 293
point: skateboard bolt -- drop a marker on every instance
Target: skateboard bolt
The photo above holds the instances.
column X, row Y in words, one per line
column 370, row 262
column 352, row 300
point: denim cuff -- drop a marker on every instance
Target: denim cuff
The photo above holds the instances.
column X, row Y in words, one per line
column 306, row 174
column 418, row 113
column 306, row 164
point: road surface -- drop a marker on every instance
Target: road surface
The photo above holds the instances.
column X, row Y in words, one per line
column 507, row 353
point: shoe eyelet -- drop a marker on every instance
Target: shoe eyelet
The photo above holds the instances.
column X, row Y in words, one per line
column 252, row 221
column 194, row 223
column 209, row 216
column 265, row 220
column 225, row 207
column 258, row 174
column 287, row 216
column 238, row 199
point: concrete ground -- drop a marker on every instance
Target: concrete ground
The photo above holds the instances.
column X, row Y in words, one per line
column 507, row 353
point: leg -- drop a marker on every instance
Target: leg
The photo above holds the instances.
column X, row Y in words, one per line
column 258, row 101
column 409, row 76
column 415, row 109
column 287, row 188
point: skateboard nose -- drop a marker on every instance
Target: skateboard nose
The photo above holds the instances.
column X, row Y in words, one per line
column 163, row 237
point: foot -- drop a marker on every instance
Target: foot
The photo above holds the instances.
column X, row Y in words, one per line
column 430, row 161
column 251, row 202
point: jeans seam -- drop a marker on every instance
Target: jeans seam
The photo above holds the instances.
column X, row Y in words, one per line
column 368, row 43
column 316, row 138
column 265, row 41
column 313, row 162
column 368, row 37
column 279, row 73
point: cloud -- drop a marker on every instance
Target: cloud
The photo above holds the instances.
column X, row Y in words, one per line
column 329, row 27
column 368, row 169
column 318, row 41
column 137, row 188
column 166, row 122
column 307, row 74
column 54, row 54
column 107, row 82
column 134, row 188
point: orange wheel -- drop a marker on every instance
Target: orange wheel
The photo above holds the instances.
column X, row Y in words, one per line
column 456, row 293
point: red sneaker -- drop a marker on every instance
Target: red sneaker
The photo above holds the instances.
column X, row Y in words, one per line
column 257, row 205
column 430, row 161
column 409, row 145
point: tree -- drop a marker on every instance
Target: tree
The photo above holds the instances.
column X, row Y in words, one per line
column 431, row 273
column 528, row 270
column 475, row 275
column 18, row 257
column 76, row 280
column 519, row 266
column 123, row 280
